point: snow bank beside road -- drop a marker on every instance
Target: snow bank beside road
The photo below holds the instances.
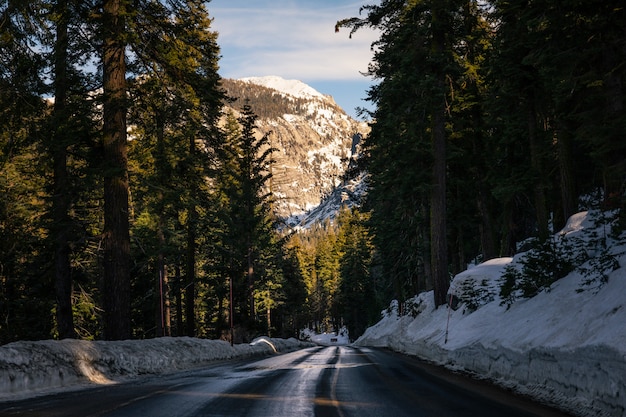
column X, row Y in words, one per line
column 566, row 346
column 28, row 367
column 570, row 353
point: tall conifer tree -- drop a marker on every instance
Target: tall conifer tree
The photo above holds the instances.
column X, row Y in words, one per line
column 25, row 291
column 415, row 56
column 60, row 201
column 116, row 255
column 244, row 164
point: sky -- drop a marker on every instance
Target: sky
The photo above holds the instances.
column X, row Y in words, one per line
column 296, row 39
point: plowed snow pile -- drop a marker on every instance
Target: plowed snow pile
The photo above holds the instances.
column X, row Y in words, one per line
column 27, row 368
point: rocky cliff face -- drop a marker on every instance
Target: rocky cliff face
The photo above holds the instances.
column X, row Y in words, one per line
column 313, row 135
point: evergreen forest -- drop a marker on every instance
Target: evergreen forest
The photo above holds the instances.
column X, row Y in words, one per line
column 134, row 205
column 494, row 122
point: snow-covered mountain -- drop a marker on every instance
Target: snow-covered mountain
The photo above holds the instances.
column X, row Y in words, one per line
column 349, row 193
column 293, row 88
column 313, row 135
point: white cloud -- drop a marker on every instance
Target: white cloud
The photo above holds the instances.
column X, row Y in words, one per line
column 290, row 39
column 331, row 64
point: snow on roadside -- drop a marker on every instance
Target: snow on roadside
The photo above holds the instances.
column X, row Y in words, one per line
column 27, row 368
column 566, row 346
column 340, row 338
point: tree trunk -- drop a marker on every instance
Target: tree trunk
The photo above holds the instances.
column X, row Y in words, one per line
column 614, row 162
column 439, row 245
column 163, row 320
column 438, row 228
column 190, row 290
column 427, row 280
column 487, row 243
column 179, row 301
column 541, row 207
column 164, row 324
column 567, row 183
column 116, row 234
column 508, row 243
column 61, row 199
column 231, row 310
column 250, row 281
column 220, row 325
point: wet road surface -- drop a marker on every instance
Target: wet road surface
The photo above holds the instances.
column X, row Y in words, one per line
column 336, row 381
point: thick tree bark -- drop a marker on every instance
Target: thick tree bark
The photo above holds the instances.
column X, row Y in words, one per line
column 190, row 289
column 566, row 171
column 116, row 234
column 163, row 311
column 614, row 160
column 179, row 301
column 60, row 200
column 539, row 194
column 438, row 227
column 487, row 242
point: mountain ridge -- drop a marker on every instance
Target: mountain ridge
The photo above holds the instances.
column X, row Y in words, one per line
column 294, row 88
column 312, row 134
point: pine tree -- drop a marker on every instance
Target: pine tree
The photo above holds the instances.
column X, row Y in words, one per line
column 61, row 203
column 327, row 279
column 177, row 102
column 396, row 156
column 470, row 203
column 357, row 298
column 415, row 61
column 244, row 170
column 291, row 316
column 25, row 288
column 154, row 153
column 441, row 12
column 64, row 133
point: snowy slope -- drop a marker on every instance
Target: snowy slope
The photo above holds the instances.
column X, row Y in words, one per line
column 293, row 88
column 348, row 194
column 566, row 346
column 312, row 136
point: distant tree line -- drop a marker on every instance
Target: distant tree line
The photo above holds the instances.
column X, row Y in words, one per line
column 343, row 287
column 491, row 120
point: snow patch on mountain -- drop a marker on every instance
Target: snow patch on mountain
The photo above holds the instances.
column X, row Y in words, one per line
column 312, row 135
column 348, row 194
column 294, row 88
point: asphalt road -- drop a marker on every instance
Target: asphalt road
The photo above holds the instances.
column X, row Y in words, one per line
column 338, row 381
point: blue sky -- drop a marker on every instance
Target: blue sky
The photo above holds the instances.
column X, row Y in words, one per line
column 295, row 39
